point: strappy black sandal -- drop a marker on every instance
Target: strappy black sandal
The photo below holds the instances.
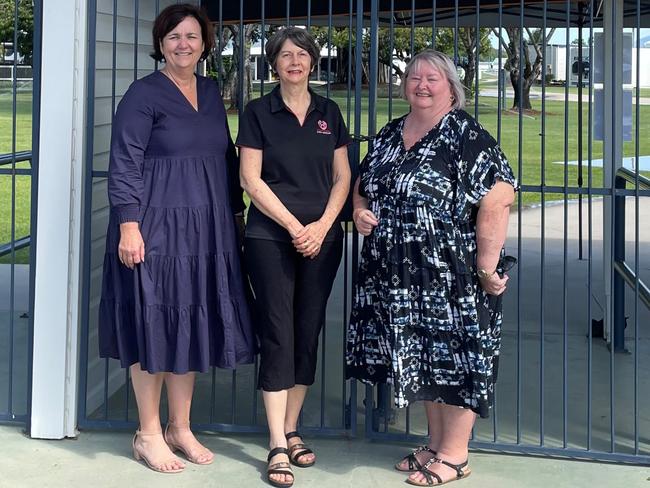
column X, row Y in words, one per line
column 281, row 467
column 414, row 463
column 429, row 475
column 302, row 449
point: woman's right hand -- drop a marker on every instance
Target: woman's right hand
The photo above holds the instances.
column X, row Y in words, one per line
column 364, row 220
column 131, row 247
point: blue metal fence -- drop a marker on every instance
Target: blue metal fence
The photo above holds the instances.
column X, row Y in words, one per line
column 19, row 105
column 562, row 390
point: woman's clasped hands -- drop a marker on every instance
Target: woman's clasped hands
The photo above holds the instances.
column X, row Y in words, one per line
column 309, row 239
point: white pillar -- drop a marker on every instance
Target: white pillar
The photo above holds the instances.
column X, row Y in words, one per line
column 613, row 136
column 56, row 320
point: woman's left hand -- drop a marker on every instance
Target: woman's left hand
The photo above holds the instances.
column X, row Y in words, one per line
column 494, row 284
column 310, row 239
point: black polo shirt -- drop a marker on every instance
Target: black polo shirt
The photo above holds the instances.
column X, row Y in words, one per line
column 296, row 161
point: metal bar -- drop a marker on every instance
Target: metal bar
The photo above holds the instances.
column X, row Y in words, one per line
column 18, row 157
column 87, row 215
column 391, row 47
column 580, row 182
column 434, row 30
column 15, row 244
column 16, row 172
column 136, row 15
column 565, row 242
column 309, row 13
column 495, row 409
column 614, row 151
column 288, row 13
column 329, row 49
column 634, row 177
column 262, row 45
column 618, row 341
column 233, row 400
column 412, row 38
column 477, row 13
column 36, row 111
column 590, row 250
column 637, row 285
column 240, row 68
column 631, row 278
column 456, row 32
column 520, row 159
column 12, row 265
column 542, row 311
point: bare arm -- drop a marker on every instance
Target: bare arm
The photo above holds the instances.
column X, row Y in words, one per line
column 491, row 229
column 310, row 239
column 364, row 219
column 250, row 175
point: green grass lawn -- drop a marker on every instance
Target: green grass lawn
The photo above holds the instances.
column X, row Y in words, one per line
column 15, row 189
column 528, row 167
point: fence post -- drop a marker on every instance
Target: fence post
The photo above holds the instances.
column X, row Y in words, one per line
column 618, row 288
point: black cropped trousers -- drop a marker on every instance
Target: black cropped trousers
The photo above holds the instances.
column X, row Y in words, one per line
column 291, row 294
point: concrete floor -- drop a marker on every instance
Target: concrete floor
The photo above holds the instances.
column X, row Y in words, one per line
column 103, row 460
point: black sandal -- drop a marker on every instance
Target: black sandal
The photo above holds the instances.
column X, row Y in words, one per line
column 414, row 463
column 430, row 475
column 282, row 467
column 302, row 449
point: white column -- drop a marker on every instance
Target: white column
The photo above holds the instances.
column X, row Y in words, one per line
column 613, row 136
column 56, row 321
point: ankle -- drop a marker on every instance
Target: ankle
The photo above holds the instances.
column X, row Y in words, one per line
column 178, row 424
column 453, row 456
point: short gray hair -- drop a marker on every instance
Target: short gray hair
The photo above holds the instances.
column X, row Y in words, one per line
column 300, row 37
column 445, row 65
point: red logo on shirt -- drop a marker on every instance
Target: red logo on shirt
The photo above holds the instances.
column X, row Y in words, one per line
column 322, row 128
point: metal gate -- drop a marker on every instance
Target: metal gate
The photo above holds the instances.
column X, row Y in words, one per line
column 19, row 112
column 567, row 231
column 571, row 375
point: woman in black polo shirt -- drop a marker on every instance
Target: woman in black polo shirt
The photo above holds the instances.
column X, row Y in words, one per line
column 294, row 167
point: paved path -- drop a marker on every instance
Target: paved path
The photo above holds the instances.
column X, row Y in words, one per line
column 103, row 460
column 552, row 95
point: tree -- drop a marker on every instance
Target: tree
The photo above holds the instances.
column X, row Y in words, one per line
column 230, row 69
column 467, row 51
column 532, row 44
column 401, row 46
column 25, row 26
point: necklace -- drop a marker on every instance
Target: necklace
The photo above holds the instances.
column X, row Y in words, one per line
column 175, row 81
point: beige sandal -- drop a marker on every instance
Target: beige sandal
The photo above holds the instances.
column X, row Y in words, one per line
column 140, row 457
column 177, row 447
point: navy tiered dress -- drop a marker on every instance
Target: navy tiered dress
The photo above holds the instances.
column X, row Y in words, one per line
column 174, row 170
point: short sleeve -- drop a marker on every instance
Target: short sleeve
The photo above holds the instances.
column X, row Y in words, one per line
column 250, row 130
column 481, row 162
column 343, row 136
column 130, row 135
column 373, row 149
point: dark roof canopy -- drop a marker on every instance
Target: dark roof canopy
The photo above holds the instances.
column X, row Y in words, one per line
column 275, row 11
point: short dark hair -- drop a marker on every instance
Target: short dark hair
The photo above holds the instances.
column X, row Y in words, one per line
column 173, row 15
column 300, row 37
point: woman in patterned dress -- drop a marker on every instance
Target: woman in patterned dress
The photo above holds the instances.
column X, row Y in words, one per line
column 432, row 199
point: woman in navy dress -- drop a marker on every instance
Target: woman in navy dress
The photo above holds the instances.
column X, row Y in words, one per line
column 173, row 300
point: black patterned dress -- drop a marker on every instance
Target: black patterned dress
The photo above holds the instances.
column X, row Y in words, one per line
column 420, row 319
